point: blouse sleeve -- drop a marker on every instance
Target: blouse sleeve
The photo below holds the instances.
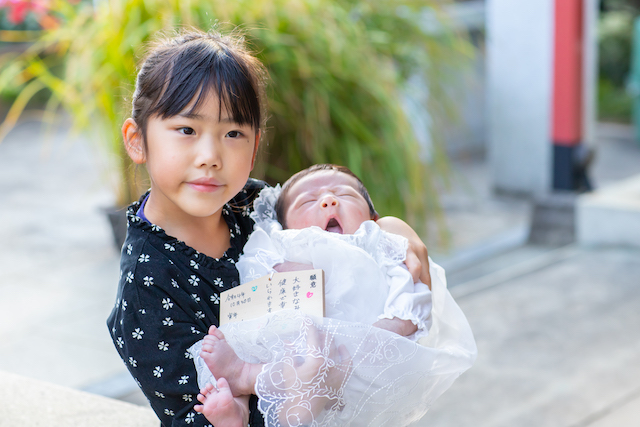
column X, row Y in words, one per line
column 152, row 327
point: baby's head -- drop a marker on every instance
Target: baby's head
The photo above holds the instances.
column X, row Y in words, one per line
column 328, row 196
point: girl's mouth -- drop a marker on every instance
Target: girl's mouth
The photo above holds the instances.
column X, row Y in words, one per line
column 205, row 185
column 333, row 226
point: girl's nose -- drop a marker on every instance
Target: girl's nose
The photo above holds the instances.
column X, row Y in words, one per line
column 329, row 200
column 208, row 153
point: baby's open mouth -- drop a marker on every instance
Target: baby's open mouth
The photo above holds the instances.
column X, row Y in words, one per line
column 333, row 226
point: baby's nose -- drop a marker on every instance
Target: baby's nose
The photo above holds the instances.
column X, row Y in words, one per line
column 329, row 200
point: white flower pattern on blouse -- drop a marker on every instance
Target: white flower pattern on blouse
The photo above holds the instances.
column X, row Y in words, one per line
column 168, row 297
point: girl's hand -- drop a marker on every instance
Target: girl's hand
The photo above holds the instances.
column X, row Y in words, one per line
column 417, row 260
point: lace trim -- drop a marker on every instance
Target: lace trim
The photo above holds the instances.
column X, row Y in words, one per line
column 264, row 209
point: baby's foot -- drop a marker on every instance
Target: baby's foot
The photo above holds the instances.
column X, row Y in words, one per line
column 222, row 361
column 220, row 407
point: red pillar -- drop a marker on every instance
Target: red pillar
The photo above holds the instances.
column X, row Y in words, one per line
column 568, row 168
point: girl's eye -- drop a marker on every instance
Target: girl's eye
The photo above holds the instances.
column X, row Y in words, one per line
column 234, row 134
column 186, row 131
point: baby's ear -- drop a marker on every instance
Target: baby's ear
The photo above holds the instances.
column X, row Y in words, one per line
column 133, row 141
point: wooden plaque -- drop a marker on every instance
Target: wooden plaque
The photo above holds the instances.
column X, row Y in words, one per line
column 297, row 290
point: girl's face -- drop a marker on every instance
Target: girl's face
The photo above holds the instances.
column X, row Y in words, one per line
column 196, row 162
column 327, row 199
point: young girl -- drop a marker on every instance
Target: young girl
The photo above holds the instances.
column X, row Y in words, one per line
column 346, row 371
column 195, row 123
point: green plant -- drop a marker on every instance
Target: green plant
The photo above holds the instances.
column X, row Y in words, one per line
column 337, row 70
column 615, row 44
column 614, row 103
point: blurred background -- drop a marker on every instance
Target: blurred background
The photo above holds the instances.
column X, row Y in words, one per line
column 506, row 133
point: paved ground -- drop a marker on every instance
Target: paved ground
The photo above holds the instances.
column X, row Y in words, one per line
column 557, row 328
column 558, row 344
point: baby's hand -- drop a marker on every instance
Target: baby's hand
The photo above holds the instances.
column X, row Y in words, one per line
column 399, row 326
column 291, row 266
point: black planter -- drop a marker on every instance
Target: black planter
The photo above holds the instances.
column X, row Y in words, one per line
column 118, row 220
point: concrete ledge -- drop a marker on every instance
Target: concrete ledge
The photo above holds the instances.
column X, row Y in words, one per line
column 29, row 402
column 553, row 219
column 611, row 215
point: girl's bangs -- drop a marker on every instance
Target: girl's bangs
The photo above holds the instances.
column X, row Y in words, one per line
column 200, row 72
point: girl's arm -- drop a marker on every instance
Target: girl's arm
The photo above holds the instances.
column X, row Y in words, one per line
column 417, row 255
column 155, row 355
column 159, row 315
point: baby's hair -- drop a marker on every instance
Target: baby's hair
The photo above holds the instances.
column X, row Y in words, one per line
column 178, row 70
column 282, row 204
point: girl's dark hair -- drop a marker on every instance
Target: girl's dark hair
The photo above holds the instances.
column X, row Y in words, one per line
column 282, row 204
column 189, row 66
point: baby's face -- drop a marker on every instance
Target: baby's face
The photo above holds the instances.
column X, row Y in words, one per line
column 327, row 199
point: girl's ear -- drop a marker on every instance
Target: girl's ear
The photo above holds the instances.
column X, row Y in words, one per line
column 133, row 142
column 255, row 149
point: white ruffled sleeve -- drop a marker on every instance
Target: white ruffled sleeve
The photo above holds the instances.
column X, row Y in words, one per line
column 406, row 300
column 259, row 256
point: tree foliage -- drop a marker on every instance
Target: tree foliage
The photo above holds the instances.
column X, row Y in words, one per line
column 336, row 93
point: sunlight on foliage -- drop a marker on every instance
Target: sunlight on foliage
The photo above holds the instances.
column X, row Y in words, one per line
column 337, row 71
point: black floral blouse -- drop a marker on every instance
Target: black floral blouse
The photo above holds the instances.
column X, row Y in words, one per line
column 168, row 296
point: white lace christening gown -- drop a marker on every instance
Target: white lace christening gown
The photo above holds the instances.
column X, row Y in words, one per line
column 340, row 370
